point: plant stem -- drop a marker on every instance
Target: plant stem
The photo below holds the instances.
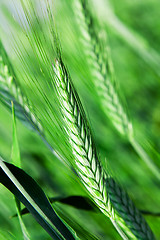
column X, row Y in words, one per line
column 141, row 152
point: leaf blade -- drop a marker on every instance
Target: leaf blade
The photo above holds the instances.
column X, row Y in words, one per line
column 16, row 159
column 16, row 180
column 15, row 155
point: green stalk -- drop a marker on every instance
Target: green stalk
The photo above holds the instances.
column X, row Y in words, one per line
column 143, row 155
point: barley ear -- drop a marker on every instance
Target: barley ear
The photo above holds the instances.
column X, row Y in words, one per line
column 126, row 208
column 101, row 69
column 102, row 72
column 87, row 162
column 11, row 91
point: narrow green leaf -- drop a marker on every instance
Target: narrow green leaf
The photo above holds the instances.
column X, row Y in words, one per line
column 26, row 235
column 79, row 202
column 16, row 159
column 32, row 196
column 15, row 155
column 81, row 231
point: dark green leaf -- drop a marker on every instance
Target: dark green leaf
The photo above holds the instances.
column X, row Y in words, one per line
column 79, row 202
column 32, row 196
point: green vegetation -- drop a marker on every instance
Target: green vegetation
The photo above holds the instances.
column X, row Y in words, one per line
column 85, row 120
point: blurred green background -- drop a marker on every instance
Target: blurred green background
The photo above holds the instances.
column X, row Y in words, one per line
column 138, row 75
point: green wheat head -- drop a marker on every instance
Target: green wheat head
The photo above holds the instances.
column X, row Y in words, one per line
column 103, row 189
column 129, row 213
column 80, row 137
column 101, row 69
column 102, row 72
column 10, row 91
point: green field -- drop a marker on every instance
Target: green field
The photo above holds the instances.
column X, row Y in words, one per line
column 129, row 32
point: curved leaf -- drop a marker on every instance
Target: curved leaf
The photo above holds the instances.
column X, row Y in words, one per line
column 79, row 202
column 31, row 195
